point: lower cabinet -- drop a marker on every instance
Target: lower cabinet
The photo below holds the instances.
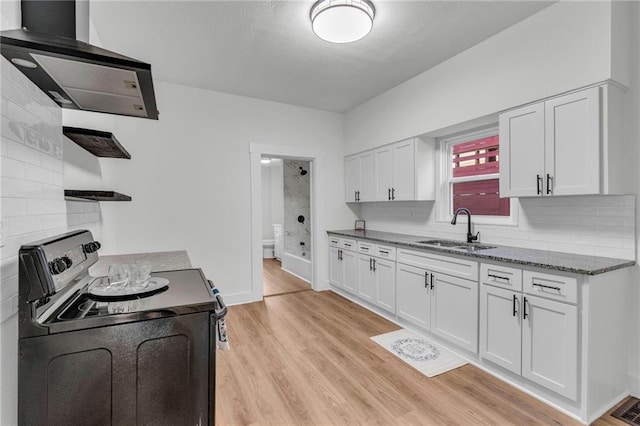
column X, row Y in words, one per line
column 343, row 269
column 443, row 304
column 530, row 335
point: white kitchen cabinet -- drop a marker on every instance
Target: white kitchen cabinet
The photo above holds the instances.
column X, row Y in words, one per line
column 377, row 279
column 550, row 344
column 359, row 177
column 413, row 295
column 452, row 311
column 395, row 171
column 532, row 336
column 399, row 171
column 500, row 327
column 567, row 145
column 343, row 266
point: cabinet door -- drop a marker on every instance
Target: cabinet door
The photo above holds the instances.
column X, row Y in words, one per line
column 403, row 171
column 573, row 143
column 522, row 151
column 366, row 278
column 385, row 277
column 500, row 324
column 336, row 274
column 351, row 178
column 550, row 345
column 454, row 310
column 350, row 265
column 413, row 295
column 384, row 173
column 367, row 177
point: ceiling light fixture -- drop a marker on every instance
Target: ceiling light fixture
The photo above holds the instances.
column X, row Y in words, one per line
column 342, row 21
column 265, row 160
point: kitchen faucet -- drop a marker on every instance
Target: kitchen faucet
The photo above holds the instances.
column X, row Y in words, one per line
column 470, row 237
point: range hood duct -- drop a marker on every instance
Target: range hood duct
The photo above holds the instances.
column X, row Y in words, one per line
column 76, row 75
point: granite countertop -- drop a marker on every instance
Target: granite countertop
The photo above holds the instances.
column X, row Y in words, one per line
column 160, row 261
column 576, row 263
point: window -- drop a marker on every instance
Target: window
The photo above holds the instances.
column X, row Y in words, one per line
column 470, row 177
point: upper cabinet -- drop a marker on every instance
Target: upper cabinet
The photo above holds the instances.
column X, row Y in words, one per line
column 568, row 145
column 359, row 177
column 396, row 172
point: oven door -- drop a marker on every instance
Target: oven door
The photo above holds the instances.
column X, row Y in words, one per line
column 148, row 372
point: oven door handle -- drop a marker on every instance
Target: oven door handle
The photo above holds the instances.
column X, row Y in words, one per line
column 221, row 312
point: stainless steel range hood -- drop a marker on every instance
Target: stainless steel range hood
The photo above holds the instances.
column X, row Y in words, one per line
column 73, row 73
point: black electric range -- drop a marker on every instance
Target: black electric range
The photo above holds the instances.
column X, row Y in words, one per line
column 137, row 359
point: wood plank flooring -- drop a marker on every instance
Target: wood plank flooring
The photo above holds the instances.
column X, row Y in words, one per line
column 277, row 281
column 305, row 358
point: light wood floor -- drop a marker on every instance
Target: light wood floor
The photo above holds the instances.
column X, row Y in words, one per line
column 305, row 358
column 276, row 281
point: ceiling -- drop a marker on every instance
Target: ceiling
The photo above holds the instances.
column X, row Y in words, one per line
column 266, row 49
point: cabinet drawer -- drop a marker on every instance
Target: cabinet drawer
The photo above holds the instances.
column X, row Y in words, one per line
column 348, row 244
column 334, row 242
column 501, row 276
column 385, row 252
column 450, row 265
column 556, row 287
column 366, row 247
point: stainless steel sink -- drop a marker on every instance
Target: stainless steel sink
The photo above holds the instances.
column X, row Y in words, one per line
column 456, row 245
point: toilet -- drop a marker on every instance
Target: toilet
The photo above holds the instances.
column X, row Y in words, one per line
column 268, row 249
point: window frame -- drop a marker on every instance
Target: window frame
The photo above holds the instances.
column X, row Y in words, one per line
column 445, row 179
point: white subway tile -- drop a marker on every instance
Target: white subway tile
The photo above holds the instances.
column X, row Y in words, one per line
column 572, row 248
column 9, row 287
column 14, row 206
column 20, row 225
column 51, row 162
column 615, row 253
column 22, row 152
column 8, row 308
column 20, row 188
column 608, row 242
column 622, row 211
column 13, row 168
column 39, row 174
column 54, row 221
column 9, row 267
column 58, row 179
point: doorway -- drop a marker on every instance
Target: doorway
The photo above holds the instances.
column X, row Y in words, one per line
column 314, row 162
column 286, row 230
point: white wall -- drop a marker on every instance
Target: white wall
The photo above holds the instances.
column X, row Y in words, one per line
column 272, row 197
column 563, row 47
column 190, row 178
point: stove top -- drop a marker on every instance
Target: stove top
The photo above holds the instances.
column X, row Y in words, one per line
column 187, row 292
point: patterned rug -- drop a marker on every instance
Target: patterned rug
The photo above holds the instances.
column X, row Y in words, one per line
column 420, row 353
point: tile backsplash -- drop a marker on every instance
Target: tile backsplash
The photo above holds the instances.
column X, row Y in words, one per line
column 32, row 203
column 589, row 225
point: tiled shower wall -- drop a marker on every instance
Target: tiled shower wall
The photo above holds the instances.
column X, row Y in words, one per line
column 296, row 203
column 32, row 203
column 590, row 225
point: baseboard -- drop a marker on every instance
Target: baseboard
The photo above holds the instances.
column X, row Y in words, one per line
column 296, row 275
column 602, row 411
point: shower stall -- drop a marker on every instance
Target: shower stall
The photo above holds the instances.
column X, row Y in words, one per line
column 296, row 258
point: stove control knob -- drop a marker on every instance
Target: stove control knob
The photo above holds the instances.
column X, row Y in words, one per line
column 91, row 247
column 57, row 266
column 67, row 261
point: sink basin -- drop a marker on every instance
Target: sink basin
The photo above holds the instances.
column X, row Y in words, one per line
column 456, row 245
column 441, row 243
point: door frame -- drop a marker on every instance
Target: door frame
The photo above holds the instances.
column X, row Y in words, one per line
column 316, row 168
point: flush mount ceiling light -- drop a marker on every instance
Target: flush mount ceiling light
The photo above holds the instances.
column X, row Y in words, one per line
column 342, row 21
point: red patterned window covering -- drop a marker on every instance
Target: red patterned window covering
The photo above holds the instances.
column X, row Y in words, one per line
column 482, row 197
column 478, row 157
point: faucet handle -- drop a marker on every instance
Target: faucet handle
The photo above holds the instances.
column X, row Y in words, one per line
column 474, row 237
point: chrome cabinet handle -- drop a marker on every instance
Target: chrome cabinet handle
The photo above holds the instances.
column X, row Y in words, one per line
column 393, row 193
column 374, row 265
column 426, row 280
column 548, row 184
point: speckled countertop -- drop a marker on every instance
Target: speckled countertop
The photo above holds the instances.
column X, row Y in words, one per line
column 160, row 261
column 579, row 264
